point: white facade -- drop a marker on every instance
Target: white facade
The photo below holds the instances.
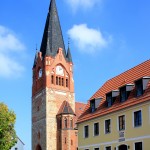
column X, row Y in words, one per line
column 18, row 146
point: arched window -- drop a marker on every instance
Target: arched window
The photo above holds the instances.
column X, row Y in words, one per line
column 60, row 123
column 40, row 73
column 65, row 123
column 38, row 147
column 52, row 79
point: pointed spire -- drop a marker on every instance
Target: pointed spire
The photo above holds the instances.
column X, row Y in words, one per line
column 36, row 56
column 69, row 57
column 52, row 37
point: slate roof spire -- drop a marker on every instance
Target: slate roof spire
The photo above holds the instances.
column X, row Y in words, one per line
column 52, row 36
column 69, row 57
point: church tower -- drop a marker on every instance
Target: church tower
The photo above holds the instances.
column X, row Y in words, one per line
column 53, row 102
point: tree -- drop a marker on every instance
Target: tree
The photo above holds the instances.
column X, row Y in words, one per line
column 8, row 136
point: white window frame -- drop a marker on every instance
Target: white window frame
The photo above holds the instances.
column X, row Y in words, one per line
column 93, row 129
column 105, row 126
column 118, row 122
column 140, row 109
column 108, row 146
column 138, row 142
column 84, row 131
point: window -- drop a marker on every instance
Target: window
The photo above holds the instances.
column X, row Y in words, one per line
column 56, row 80
column 108, row 148
column 137, row 118
column 96, row 148
column 16, row 148
column 107, row 126
column 123, row 94
column 65, row 141
column 86, row 131
column 66, row 82
column 62, row 82
column 138, row 146
column 52, row 79
column 65, row 123
column 96, row 129
column 71, row 123
column 139, row 87
column 109, row 100
column 92, row 104
column 122, row 122
column 59, row 81
column 71, row 142
column 40, row 73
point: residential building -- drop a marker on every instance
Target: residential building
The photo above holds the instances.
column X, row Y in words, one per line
column 54, row 110
column 19, row 145
column 117, row 116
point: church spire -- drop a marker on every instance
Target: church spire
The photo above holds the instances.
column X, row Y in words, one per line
column 69, row 57
column 52, row 36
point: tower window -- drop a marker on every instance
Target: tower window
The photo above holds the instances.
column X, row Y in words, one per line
column 59, row 81
column 62, row 80
column 65, row 123
column 40, row 73
column 71, row 123
column 56, row 80
column 71, row 142
column 52, row 79
column 66, row 82
column 65, row 140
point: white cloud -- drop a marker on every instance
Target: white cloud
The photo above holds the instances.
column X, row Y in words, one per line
column 83, row 4
column 10, row 46
column 87, row 39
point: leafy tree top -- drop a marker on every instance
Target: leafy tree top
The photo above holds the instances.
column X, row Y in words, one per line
column 8, row 136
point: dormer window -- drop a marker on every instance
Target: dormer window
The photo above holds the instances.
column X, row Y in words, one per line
column 110, row 97
column 141, row 85
column 95, row 103
column 139, row 88
column 125, row 91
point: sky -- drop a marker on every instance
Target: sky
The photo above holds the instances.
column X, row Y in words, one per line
column 107, row 37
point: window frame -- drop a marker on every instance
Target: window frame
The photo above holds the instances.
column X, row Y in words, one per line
column 105, row 126
column 85, row 132
column 133, row 118
column 108, row 147
column 137, row 83
column 136, row 143
column 118, row 123
column 94, row 129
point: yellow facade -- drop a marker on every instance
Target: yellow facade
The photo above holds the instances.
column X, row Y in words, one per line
column 131, row 134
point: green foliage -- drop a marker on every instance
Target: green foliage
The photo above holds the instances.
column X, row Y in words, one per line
column 8, row 136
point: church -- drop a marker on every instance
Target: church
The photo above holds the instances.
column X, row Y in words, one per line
column 54, row 110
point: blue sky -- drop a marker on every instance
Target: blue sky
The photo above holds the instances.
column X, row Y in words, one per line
column 107, row 38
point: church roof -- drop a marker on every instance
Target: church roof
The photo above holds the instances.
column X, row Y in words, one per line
column 65, row 109
column 126, row 78
column 52, row 36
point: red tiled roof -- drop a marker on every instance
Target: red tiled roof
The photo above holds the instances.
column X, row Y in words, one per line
column 115, row 83
column 79, row 108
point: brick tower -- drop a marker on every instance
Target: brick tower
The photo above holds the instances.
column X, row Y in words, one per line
column 53, row 102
